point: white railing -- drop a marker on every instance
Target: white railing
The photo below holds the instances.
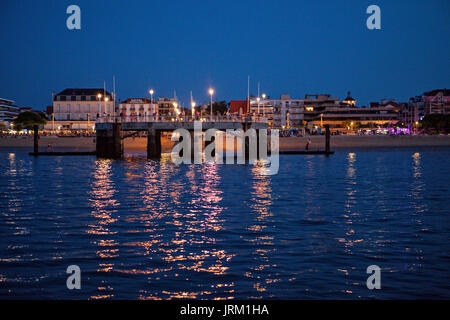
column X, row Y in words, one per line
column 166, row 118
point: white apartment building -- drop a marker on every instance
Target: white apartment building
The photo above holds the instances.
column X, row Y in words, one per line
column 82, row 104
column 141, row 107
column 286, row 112
column 8, row 111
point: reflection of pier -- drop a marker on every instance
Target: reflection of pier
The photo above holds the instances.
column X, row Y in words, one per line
column 109, row 132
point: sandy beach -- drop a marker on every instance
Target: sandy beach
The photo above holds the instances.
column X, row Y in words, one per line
column 286, row 143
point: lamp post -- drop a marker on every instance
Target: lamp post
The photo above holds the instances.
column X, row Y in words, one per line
column 175, row 105
column 151, row 95
column 151, row 91
column 264, row 105
column 192, row 109
column 211, row 92
column 106, row 100
column 258, row 100
column 99, row 98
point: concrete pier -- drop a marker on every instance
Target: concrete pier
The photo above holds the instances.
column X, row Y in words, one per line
column 109, row 142
column 327, row 138
column 153, row 144
column 36, row 139
column 207, row 143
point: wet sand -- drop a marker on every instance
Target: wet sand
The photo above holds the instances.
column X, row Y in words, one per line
column 286, row 143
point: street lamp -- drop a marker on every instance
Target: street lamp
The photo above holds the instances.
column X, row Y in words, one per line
column 264, row 104
column 151, row 94
column 151, row 91
column 106, row 100
column 211, row 92
column 177, row 112
column 99, row 97
column 192, row 108
column 258, row 99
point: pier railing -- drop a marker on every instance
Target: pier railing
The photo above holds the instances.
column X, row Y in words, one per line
column 180, row 118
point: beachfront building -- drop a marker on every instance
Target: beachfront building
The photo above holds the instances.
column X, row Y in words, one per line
column 343, row 116
column 138, row 107
column 287, row 112
column 239, row 107
column 431, row 102
column 436, row 101
column 284, row 112
column 82, row 104
column 411, row 112
column 166, row 106
column 8, row 112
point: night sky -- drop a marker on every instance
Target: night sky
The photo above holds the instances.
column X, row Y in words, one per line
column 293, row 47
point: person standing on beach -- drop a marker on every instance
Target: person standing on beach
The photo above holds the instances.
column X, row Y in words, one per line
column 307, row 144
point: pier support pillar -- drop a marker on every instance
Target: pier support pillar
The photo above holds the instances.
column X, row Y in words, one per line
column 327, row 138
column 154, row 144
column 109, row 142
column 207, row 143
column 36, row 139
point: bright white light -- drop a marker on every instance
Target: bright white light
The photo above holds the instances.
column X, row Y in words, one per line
column 211, row 91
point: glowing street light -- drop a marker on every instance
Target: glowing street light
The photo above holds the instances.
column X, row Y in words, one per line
column 192, row 108
column 99, row 97
column 177, row 112
column 151, row 94
column 211, row 92
column 258, row 99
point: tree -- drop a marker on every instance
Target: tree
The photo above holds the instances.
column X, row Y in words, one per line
column 31, row 120
column 438, row 122
column 28, row 119
column 218, row 107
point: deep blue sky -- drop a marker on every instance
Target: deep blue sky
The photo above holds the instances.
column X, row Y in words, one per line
column 293, row 47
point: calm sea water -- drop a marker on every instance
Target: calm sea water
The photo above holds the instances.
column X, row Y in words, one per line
column 154, row 230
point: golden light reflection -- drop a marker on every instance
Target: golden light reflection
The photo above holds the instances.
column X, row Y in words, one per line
column 104, row 205
column 175, row 228
column 261, row 201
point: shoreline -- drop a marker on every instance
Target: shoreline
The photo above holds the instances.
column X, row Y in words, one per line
column 285, row 143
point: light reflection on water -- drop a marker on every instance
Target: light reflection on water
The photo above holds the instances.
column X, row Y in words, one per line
column 154, row 230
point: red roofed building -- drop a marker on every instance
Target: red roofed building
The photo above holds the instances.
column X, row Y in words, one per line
column 239, row 106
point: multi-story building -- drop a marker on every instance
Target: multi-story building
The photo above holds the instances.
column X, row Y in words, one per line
column 82, row 104
column 141, row 107
column 436, row 101
column 166, row 106
column 431, row 102
column 411, row 112
column 287, row 112
column 8, row 111
column 318, row 110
